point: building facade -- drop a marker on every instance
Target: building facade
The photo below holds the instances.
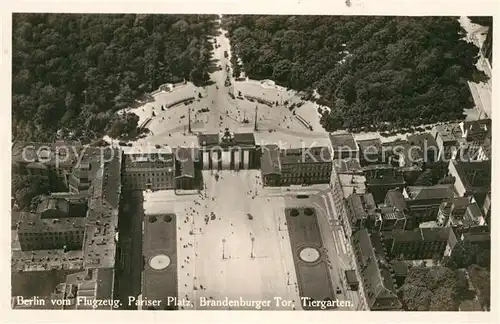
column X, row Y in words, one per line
column 154, row 171
column 228, row 151
column 35, row 233
column 295, row 166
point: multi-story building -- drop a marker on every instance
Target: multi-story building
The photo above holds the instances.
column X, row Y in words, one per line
column 360, row 208
column 63, row 206
column 153, row 170
column 382, row 178
column 36, row 233
column 461, row 140
column 471, row 178
column 375, row 271
column 295, row 166
column 370, row 152
column 418, row 244
column 423, row 202
column 344, row 146
column 185, row 177
column 45, row 159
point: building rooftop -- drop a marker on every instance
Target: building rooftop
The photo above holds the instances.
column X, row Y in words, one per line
column 379, row 287
column 395, row 198
column 449, row 133
column 477, row 237
column 400, row 268
column 92, row 284
column 474, row 174
column 227, row 138
column 270, row 160
column 185, row 157
column 41, row 260
column 373, row 145
column 99, row 246
column 148, row 161
column 347, row 166
column 383, row 175
column 343, row 142
column 444, row 191
column 33, row 223
column 306, row 155
column 360, row 206
column 420, row 234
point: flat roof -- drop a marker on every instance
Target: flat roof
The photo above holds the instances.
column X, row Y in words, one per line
column 102, row 221
column 33, row 223
column 343, row 142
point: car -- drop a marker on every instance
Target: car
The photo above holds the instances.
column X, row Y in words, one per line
column 122, row 143
column 302, row 196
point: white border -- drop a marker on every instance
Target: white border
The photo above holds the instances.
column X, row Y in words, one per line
column 336, row 7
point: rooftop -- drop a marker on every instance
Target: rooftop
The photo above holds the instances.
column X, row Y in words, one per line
column 149, row 161
column 395, row 198
column 444, row 191
column 33, row 223
column 92, row 284
column 383, row 175
column 306, row 155
column 270, row 162
column 449, row 133
column 227, row 138
column 370, row 145
column 102, row 222
column 41, row 260
column 185, row 157
column 474, row 174
column 343, row 142
column 375, row 270
column 360, row 206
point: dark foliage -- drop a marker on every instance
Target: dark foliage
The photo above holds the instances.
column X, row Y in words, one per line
column 480, row 278
column 371, row 70
column 75, row 70
column 466, row 254
column 26, row 190
column 433, row 289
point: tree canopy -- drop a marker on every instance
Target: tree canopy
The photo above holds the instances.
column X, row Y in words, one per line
column 433, row 289
column 371, row 70
column 75, row 70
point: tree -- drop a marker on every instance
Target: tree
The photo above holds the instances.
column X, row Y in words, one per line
column 466, row 254
column 76, row 71
column 425, row 179
column 433, row 288
column 406, row 71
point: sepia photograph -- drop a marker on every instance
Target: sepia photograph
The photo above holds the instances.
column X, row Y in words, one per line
column 251, row 162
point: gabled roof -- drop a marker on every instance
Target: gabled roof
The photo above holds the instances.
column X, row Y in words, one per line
column 380, row 289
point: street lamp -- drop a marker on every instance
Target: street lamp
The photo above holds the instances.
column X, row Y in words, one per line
column 251, row 253
column 223, row 248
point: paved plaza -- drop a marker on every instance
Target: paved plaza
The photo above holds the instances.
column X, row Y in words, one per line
column 215, row 257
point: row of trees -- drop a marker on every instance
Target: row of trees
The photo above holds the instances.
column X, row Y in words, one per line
column 370, row 70
column 75, row 70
